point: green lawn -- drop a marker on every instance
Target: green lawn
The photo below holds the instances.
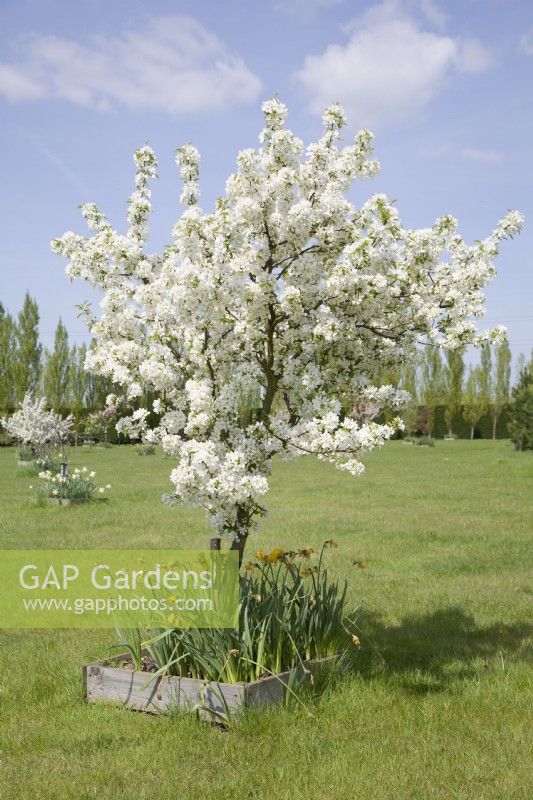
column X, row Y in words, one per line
column 438, row 707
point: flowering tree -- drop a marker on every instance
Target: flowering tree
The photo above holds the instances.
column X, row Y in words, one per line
column 34, row 426
column 99, row 423
column 286, row 291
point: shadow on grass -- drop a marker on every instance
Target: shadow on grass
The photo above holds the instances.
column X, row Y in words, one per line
column 430, row 653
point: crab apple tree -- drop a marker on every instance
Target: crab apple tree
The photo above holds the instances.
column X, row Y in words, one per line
column 286, row 291
column 41, row 430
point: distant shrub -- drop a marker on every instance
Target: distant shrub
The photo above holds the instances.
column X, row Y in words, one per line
column 145, row 449
column 6, row 440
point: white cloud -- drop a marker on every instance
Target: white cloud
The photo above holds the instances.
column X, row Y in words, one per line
column 526, row 43
column 389, row 69
column 174, row 64
column 482, row 155
column 473, row 56
column 15, row 85
column 490, row 157
column 433, row 14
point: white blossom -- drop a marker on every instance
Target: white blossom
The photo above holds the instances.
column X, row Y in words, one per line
column 36, row 427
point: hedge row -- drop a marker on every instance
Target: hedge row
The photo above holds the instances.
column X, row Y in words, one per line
column 461, row 428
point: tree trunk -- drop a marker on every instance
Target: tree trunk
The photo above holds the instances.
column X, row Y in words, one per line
column 471, row 431
column 239, row 545
column 494, row 424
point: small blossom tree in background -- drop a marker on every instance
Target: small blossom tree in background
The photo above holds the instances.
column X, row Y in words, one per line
column 36, row 429
column 287, row 291
column 100, row 423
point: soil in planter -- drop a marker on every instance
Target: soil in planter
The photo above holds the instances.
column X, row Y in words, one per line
column 147, row 664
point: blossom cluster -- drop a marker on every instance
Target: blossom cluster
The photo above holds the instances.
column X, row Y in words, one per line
column 286, row 292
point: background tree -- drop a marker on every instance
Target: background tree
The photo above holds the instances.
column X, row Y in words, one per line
column 99, row 388
column 409, row 384
column 502, row 381
column 521, row 411
column 28, row 349
column 78, row 378
column 433, row 384
column 454, row 386
column 485, row 375
column 101, row 423
column 7, row 360
column 57, row 368
column 474, row 400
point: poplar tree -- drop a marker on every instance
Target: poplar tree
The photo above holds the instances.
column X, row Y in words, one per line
column 56, row 371
column 454, row 385
column 28, row 349
column 474, row 401
column 486, row 373
column 433, row 384
column 410, row 384
column 78, row 378
column 7, row 359
column 521, row 411
column 502, row 380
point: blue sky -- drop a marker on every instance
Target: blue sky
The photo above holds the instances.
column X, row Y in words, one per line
column 446, row 87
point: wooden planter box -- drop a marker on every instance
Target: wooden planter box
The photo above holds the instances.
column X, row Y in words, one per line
column 105, row 683
column 61, row 501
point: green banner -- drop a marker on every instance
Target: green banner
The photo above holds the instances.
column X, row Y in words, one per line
column 119, row 588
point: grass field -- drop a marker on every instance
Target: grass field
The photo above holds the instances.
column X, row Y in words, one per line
column 439, row 704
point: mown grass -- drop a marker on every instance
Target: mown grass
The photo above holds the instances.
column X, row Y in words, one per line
column 438, row 706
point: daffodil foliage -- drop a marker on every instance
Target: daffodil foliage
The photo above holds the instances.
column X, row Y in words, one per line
column 287, row 292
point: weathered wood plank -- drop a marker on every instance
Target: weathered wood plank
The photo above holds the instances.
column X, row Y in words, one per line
column 141, row 691
column 104, row 682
